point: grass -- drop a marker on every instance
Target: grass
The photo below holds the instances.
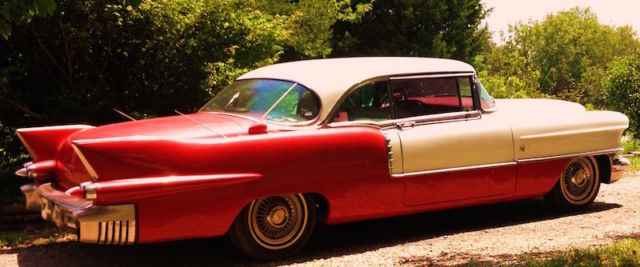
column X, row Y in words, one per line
column 32, row 236
column 635, row 164
column 630, row 145
column 622, row 253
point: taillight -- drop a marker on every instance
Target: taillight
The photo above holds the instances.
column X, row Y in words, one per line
column 86, row 190
column 38, row 170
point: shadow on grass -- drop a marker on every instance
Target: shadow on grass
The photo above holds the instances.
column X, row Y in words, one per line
column 328, row 241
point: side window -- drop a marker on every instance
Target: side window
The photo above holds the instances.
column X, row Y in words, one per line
column 427, row 96
column 370, row 102
column 466, row 95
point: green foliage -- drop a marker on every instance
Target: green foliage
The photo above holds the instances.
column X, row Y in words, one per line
column 635, row 164
column 19, row 12
column 565, row 55
column 630, row 145
column 450, row 29
column 623, row 89
column 146, row 57
column 511, row 79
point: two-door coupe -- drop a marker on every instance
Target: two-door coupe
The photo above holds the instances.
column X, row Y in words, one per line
column 290, row 145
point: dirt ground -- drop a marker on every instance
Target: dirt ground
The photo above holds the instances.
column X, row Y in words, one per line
column 490, row 234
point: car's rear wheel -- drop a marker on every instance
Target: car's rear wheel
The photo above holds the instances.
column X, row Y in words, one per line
column 275, row 226
column 579, row 184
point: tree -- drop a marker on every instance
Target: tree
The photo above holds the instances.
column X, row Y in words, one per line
column 450, row 29
column 623, row 90
column 18, row 12
column 570, row 51
column 145, row 57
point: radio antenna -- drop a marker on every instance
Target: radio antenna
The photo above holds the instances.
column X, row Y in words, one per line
column 198, row 123
column 123, row 114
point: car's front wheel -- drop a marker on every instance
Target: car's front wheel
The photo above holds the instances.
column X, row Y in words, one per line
column 275, row 226
column 578, row 186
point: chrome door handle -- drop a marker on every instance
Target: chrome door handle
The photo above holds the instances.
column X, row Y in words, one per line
column 408, row 124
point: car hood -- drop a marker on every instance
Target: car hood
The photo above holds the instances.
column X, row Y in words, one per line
column 191, row 126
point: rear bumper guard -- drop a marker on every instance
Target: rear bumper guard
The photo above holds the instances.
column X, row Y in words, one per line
column 618, row 166
column 112, row 224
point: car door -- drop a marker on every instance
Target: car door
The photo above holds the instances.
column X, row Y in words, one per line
column 449, row 152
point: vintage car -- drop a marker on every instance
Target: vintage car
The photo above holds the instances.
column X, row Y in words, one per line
column 291, row 145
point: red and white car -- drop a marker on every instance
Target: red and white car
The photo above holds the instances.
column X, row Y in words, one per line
column 328, row 141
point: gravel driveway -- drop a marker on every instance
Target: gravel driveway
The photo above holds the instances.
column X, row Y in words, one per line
column 491, row 233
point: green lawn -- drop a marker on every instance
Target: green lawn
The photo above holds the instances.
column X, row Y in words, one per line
column 635, row 164
column 631, row 145
column 39, row 234
column 622, row 253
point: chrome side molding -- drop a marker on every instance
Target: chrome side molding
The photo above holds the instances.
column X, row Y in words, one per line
column 591, row 153
column 456, row 169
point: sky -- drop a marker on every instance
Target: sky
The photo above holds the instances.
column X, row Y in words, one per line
column 610, row 12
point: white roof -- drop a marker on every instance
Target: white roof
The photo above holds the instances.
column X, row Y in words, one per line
column 330, row 78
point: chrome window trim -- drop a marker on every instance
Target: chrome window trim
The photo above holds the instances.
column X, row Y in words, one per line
column 455, row 169
column 591, row 153
column 438, row 75
column 326, row 121
column 413, row 121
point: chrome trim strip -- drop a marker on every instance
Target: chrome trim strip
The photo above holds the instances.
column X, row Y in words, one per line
column 456, row 169
column 572, row 132
column 85, row 162
column 387, row 141
column 592, row 153
column 60, row 127
column 90, row 190
column 417, row 121
column 456, row 74
column 46, row 191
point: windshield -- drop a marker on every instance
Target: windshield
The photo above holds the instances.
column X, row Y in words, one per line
column 273, row 100
column 486, row 101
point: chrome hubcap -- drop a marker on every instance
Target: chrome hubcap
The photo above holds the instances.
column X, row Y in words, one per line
column 278, row 216
column 277, row 222
column 578, row 179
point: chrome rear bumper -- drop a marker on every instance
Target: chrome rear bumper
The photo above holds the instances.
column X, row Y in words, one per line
column 618, row 165
column 113, row 224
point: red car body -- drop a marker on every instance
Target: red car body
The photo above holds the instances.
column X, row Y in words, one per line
column 190, row 176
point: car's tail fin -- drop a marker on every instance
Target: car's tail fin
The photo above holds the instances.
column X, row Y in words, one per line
column 141, row 156
column 43, row 142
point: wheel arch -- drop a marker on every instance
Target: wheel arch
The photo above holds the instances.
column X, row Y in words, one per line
column 321, row 205
column 604, row 166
